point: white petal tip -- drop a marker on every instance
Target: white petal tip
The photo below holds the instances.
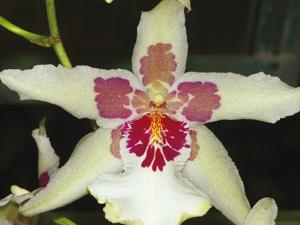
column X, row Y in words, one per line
column 17, row 191
column 6, row 200
column 108, row 1
column 264, row 212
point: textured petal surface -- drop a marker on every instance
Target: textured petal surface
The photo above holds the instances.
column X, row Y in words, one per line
column 90, row 158
column 83, row 91
column 258, row 97
column 264, row 212
column 214, row 172
column 161, row 48
column 141, row 195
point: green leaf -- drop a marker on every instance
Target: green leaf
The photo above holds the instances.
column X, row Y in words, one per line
column 64, row 221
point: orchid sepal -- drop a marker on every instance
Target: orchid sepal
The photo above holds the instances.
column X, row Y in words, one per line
column 214, row 172
column 263, row 212
column 71, row 180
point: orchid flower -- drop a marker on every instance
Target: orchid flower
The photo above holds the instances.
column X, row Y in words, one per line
column 152, row 160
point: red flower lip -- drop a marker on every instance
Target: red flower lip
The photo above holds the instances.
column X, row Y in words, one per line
column 157, row 137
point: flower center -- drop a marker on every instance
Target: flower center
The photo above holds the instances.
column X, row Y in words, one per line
column 158, row 100
column 156, row 126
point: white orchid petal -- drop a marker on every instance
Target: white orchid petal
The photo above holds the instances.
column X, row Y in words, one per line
column 148, row 198
column 214, row 172
column 72, row 89
column 143, row 195
column 4, row 201
column 264, row 212
column 258, row 97
column 90, row 158
column 19, row 195
column 48, row 160
column 20, row 199
column 161, row 47
column 17, row 191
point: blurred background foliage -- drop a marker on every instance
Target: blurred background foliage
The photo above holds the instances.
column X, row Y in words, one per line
column 237, row 36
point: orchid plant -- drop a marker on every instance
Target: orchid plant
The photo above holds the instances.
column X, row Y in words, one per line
column 152, row 160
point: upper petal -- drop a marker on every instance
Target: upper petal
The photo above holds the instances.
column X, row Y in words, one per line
column 232, row 96
column 160, row 52
column 214, row 172
column 90, row 158
column 86, row 92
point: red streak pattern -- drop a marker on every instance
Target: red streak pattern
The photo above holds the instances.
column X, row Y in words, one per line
column 140, row 139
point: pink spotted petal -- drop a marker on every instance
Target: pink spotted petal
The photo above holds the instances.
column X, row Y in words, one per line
column 259, row 97
column 161, row 47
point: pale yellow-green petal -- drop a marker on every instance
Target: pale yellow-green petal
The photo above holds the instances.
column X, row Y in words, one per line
column 90, row 159
column 70, row 88
column 264, row 212
column 214, row 172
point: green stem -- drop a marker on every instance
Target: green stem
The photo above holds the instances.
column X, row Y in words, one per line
column 54, row 32
column 38, row 39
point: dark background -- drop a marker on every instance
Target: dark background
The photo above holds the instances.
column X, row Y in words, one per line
column 233, row 35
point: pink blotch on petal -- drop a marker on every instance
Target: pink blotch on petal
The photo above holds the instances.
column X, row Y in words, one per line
column 158, row 64
column 112, row 97
column 139, row 140
column 140, row 102
column 115, row 144
column 203, row 101
column 194, row 146
column 44, row 179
